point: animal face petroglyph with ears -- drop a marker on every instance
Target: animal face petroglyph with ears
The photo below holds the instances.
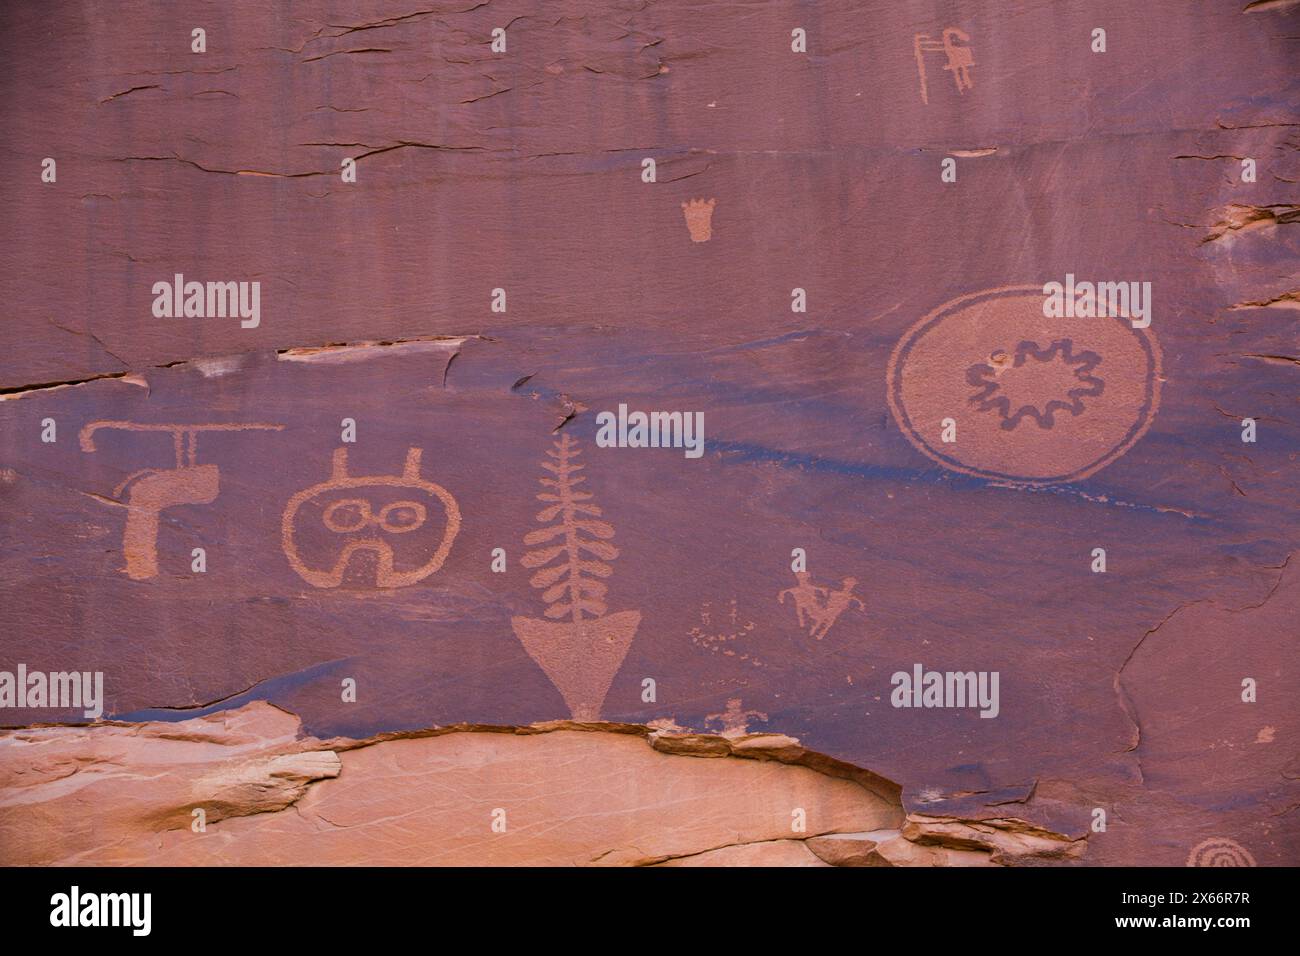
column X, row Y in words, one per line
column 404, row 524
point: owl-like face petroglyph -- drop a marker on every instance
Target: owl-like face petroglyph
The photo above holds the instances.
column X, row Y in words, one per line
column 349, row 515
column 398, row 528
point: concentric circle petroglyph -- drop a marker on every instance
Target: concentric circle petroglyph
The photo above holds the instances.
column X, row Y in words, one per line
column 1030, row 399
column 1219, row 851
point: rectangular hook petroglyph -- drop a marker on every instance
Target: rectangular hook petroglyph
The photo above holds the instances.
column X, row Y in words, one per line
column 154, row 489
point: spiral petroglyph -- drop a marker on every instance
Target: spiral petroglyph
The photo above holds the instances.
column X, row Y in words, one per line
column 1219, row 851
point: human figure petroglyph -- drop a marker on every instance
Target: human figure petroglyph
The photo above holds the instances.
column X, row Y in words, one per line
column 806, row 596
column 734, row 720
column 581, row 646
column 818, row 606
column 837, row 602
column 959, row 58
column 153, row 489
column 374, row 522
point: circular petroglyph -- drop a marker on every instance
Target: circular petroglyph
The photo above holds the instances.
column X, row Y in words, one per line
column 1219, row 851
column 1030, row 399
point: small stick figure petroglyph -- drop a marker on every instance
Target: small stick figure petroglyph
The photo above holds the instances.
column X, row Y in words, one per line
column 735, row 722
column 960, row 59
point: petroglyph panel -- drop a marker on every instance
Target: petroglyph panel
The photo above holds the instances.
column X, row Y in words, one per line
column 497, row 271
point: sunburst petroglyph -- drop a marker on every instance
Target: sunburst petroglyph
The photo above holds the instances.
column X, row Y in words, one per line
column 1035, row 383
column 1028, row 399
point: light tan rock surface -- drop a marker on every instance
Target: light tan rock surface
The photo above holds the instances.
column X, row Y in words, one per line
column 104, row 794
column 768, row 853
column 851, row 849
column 558, row 793
column 1004, row 838
column 122, row 794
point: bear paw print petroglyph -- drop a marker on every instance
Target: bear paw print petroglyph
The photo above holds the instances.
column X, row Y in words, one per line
column 699, row 218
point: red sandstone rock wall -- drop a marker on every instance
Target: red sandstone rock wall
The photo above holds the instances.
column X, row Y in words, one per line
column 803, row 274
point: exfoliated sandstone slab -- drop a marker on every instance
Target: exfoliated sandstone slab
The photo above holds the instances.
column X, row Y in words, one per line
column 105, row 794
column 851, row 849
column 239, row 788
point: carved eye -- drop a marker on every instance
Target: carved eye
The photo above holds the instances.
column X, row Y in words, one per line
column 347, row 514
column 402, row 516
